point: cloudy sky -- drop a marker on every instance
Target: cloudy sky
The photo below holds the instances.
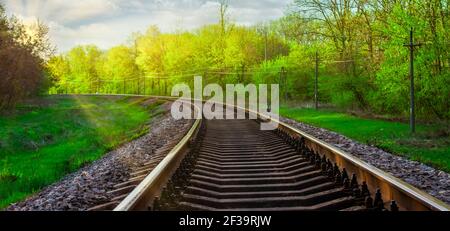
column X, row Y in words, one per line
column 110, row 22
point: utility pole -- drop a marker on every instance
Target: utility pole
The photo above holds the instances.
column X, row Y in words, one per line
column 411, row 46
column 265, row 47
column 152, row 87
column 283, row 80
column 139, row 85
column 242, row 74
column 286, row 86
column 166, row 85
column 316, row 82
column 160, row 86
column 124, row 86
column 145, row 92
column 280, row 80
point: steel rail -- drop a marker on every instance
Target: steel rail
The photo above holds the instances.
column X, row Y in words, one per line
column 142, row 196
column 408, row 197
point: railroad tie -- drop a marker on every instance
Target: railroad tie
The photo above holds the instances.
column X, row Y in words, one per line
column 239, row 167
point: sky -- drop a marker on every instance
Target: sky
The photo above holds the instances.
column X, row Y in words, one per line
column 107, row 23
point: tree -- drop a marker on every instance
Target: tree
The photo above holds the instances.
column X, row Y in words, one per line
column 151, row 51
column 119, row 66
column 429, row 19
column 59, row 70
column 23, row 57
column 223, row 10
column 84, row 76
column 363, row 64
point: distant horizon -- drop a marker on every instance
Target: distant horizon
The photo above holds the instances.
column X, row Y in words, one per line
column 108, row 23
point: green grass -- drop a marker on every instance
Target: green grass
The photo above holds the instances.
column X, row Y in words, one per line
column 43, row 141
column 431, row 144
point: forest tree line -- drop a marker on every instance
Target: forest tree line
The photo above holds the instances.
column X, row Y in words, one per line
column 363, row 64
column 23, row 54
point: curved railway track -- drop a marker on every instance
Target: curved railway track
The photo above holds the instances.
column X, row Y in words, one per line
column 231, row 165
column 235, row 166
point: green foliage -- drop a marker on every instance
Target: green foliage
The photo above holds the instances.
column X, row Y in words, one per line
column 83, row 65
column 363, row 64
column 51, row 137
column 431, row 68
column 157, row 60
column 119, row 65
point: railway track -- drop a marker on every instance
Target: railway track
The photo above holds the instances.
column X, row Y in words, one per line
column 231, row 165
column 235, row 166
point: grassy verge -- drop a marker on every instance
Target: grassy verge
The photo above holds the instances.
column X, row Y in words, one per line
column 42, row 141
column 431, row 144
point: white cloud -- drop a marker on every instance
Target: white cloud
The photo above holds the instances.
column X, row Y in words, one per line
column 110, row 22
column 62, row 10
column 95, row 33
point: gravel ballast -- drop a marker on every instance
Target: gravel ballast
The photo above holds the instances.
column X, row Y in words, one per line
column 426, row 178
column 89, row 186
